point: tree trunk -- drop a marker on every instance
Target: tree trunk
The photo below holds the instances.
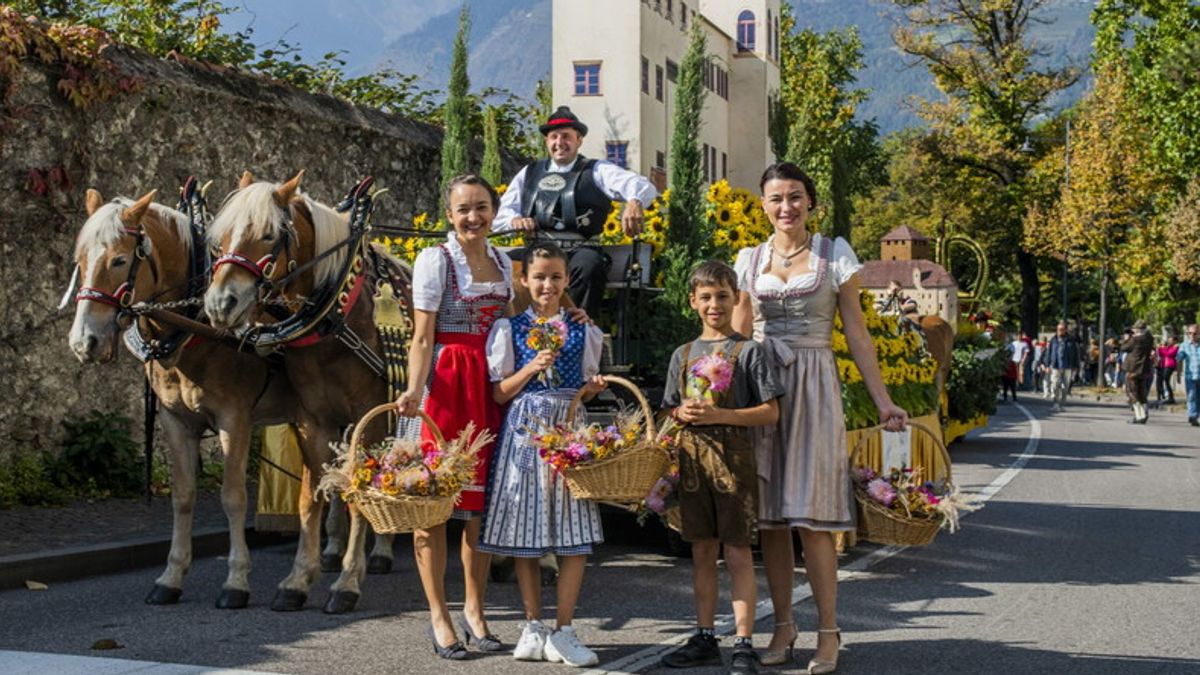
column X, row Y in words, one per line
column 1030, row 292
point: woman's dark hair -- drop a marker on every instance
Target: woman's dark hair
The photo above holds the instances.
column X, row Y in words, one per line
column 472, row 179
column 713, row 273
column 541, row 249
column 789, row 171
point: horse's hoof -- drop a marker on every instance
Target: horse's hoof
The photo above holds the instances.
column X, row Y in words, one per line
column 331, row 562
column 288, row 600
column 233, row 598
column 378, row 564
column 163, row 595
column 340, row 602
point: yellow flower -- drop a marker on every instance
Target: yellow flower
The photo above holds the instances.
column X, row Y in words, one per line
column 420, row 221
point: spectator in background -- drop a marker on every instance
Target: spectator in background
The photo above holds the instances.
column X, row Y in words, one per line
column 1008, row 380
column 1093, row 358
column 1188, row 357
column 1021, row 349
column 1164, row 369
column 1138, row 367
column 1059, row 359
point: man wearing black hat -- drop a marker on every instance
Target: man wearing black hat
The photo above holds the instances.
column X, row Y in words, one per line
column 1139, row 368
column 569, row 197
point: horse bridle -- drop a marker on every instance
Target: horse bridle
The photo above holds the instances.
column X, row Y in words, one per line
column 263, row 269
column 122, row 297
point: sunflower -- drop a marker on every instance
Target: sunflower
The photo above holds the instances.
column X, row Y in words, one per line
column 724, row 215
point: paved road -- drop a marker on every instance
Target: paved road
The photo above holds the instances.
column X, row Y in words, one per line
column 1085, row 561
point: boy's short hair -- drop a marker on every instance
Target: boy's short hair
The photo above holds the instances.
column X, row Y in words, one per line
column 713, row 273
column 542, row 249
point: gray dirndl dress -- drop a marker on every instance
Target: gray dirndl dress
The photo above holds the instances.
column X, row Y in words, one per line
column 803, row 466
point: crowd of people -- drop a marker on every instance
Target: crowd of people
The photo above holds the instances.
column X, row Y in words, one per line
column 763, row 458
column 1134, row 363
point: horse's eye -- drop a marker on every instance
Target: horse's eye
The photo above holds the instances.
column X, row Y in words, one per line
column 270, row 236
column 118, row 261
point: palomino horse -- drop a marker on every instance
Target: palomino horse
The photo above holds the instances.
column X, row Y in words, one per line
column 129, row 251
column 263, row 232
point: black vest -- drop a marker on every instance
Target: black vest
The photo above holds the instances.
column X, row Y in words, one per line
column 565, row 202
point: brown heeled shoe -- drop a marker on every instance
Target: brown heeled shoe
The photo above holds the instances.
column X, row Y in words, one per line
column 778, row 657
column 819, row 667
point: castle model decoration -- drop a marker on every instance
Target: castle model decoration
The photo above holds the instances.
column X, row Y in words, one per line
column 905, row 261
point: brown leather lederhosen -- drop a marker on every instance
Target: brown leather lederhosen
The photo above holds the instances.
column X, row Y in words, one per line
column 718, row 483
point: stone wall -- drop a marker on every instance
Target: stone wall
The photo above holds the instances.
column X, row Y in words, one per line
column 182, row 119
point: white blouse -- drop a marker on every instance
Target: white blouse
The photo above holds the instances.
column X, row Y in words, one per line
column 502, row 354
column 429, row 275
column 844, row 265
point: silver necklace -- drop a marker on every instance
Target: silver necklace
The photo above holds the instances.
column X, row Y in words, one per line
column 787, row 259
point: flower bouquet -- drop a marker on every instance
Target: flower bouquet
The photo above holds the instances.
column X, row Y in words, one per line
column 398, row 485
column 902, row 507
column 708, row 376
column 547, row 334
column 618, row 462
column 663, row 498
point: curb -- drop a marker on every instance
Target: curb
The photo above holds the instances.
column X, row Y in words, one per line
column 88, row 561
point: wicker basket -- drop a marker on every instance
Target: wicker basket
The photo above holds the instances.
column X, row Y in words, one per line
column 628, row 476
column 882, row 525
column 402, row 513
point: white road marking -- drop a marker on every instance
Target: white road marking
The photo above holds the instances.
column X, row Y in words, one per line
column 650, row 656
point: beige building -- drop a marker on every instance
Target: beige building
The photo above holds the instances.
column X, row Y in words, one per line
column 904, row 260
column 616, row 65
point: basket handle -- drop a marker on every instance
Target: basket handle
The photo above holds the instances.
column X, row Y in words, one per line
column 861, row 445
column 647, row 412
column 383, row 408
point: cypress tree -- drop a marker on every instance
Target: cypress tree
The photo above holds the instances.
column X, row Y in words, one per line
column 455, row 142
column 491, row 148
column 687, row 199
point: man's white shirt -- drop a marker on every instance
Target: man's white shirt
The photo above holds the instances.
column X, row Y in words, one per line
column 619, row 184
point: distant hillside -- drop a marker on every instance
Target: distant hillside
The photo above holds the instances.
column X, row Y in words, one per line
column 510, row 41
column 509, row 46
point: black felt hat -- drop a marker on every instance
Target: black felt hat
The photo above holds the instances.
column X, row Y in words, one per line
column 563, row 118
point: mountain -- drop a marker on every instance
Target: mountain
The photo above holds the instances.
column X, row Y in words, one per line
column 510, row 42
column 509, row 46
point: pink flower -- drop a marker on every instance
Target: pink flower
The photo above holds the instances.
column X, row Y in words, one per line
column 881, row 491
column 714, row 371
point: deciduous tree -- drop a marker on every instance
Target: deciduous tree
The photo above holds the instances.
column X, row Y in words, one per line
column 981, row 58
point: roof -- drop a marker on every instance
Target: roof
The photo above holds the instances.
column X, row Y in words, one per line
column 879, row 273
column 905, row 233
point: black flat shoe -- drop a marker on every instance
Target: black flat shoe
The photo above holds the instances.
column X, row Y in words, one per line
column 452, row 652
column 484, row 643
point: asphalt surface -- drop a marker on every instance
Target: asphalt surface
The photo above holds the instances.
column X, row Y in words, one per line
column 1086, row 560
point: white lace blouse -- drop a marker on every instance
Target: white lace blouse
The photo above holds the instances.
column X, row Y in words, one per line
column 430, row 278
column 502, row 355
column 843, row 265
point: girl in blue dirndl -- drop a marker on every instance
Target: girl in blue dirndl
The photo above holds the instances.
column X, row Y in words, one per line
column 530, row 511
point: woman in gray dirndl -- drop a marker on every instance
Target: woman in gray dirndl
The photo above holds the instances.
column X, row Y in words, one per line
column 791, row 287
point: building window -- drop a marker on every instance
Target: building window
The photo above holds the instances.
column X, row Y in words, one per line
column 660, row 159
column 672, row 71
column 683, row 15
column 670, row 10
column 587, row 79
column 724, row 165
column 707, row 175
column 645, row 75
column 745, row 31
column 775, row 31
column 658, row 82
column 617, row 152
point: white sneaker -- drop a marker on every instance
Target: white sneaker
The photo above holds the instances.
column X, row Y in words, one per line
column 565, row 646
column 532, row 645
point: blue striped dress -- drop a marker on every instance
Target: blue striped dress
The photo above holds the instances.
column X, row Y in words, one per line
column 530, row 511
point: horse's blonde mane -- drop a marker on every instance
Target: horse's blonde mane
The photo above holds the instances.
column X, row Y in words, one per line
column 330, row 229
column 252, row 212
column 105, row 228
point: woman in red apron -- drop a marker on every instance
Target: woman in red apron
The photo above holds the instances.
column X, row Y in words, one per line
column 460, row 288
